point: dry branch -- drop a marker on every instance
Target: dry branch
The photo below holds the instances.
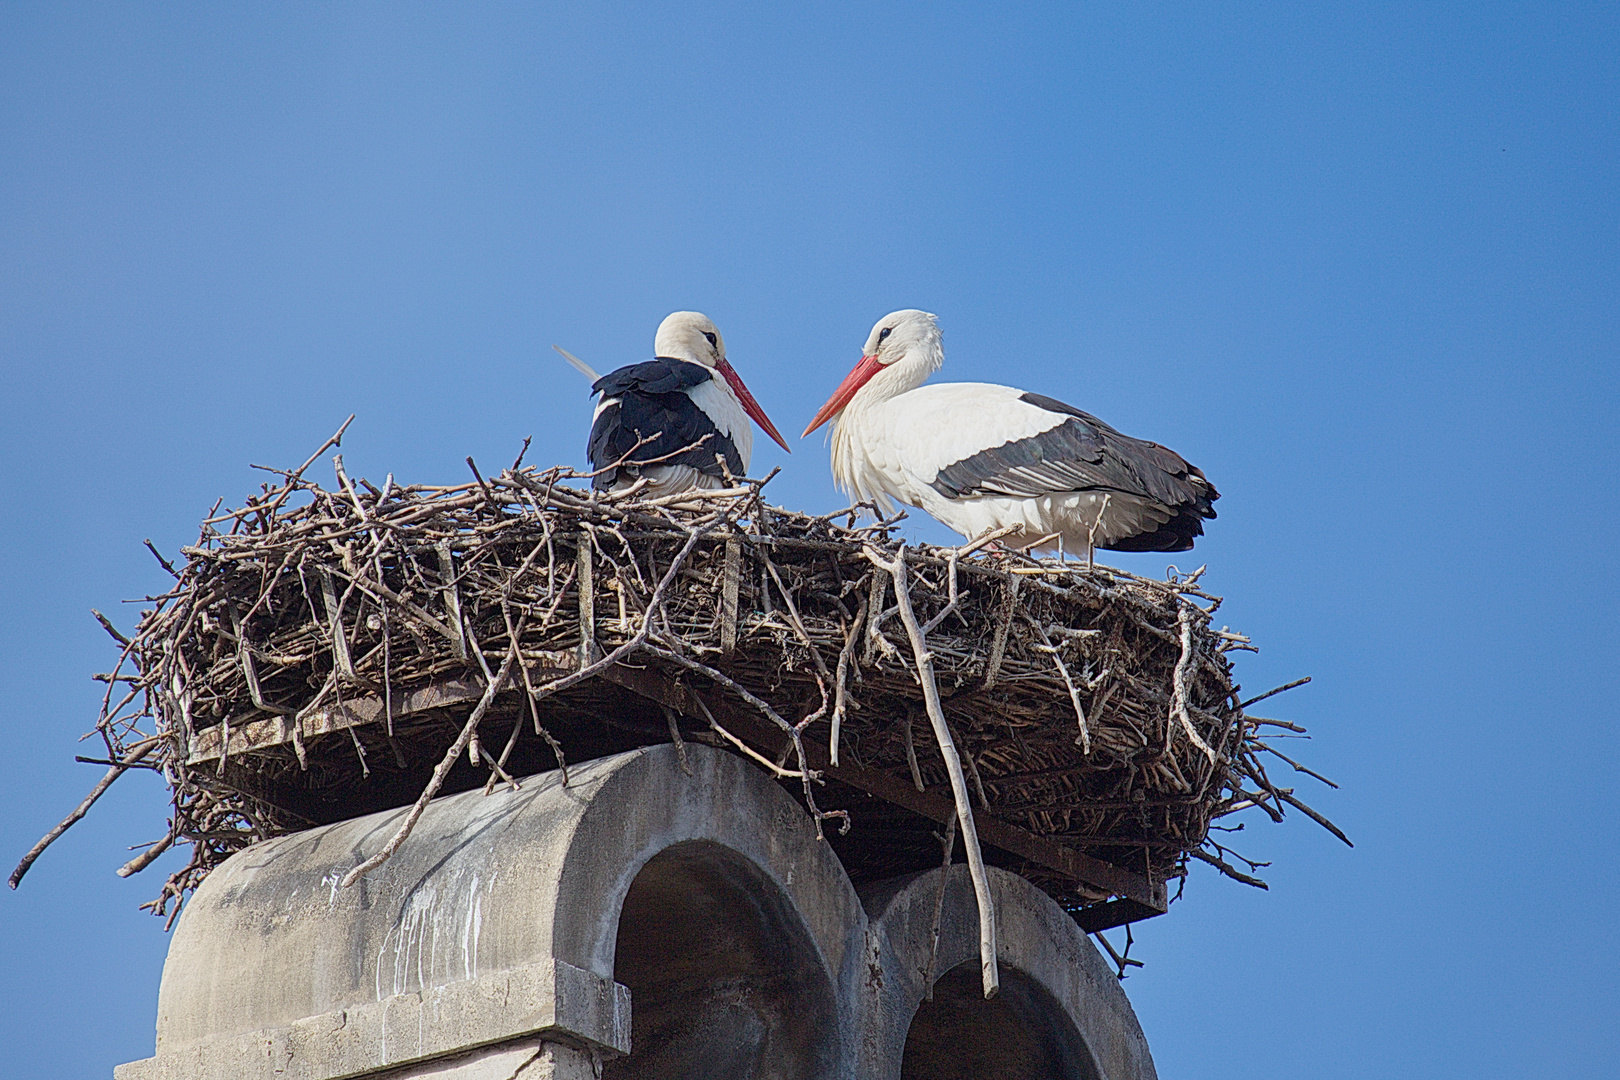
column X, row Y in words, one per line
column 896, row 569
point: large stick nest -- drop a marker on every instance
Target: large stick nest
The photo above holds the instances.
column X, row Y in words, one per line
column 323, row 651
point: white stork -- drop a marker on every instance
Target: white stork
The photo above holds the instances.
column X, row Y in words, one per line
column 981, row 457
column 691, row 419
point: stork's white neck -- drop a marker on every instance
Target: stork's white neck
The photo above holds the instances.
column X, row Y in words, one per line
column 851, row 467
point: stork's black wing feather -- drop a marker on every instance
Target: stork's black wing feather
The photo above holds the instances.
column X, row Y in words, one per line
column 1085, row 454
column 659, row 376
column 652, row 403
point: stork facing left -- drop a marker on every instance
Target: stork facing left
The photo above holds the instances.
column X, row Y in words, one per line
column 986, row 459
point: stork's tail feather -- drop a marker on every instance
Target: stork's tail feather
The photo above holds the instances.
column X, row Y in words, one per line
column 579, row 365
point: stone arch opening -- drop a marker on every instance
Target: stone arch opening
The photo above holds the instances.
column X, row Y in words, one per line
column 725, row 980
column 1023, row 1033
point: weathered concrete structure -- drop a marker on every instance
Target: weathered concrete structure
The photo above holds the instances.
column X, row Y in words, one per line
column 639, row 922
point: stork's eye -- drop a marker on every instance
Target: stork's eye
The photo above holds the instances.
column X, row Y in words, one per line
column 885, row 332
column 713, row 340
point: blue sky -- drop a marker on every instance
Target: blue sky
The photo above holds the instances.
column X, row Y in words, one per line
column 1360, row 263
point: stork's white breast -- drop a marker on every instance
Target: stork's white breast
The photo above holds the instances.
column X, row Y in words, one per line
column 718, row 402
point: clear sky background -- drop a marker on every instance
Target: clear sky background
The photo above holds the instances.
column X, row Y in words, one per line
column 1357, row 261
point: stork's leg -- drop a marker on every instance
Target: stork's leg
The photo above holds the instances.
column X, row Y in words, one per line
column 1091, row 533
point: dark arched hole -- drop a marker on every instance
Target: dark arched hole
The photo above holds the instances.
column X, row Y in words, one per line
column 724, row 979
column 1020, row 1034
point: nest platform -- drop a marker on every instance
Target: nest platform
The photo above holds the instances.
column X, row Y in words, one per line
column 329, row 652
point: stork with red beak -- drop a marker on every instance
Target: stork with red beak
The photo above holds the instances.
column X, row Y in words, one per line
column 981, row 457
column 671, row 421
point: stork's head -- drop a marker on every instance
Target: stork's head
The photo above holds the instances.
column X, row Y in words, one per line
column 902, row 350
column 689, row 335
column 899, row 333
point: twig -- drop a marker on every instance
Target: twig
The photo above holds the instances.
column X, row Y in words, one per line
column 896, row 569
column 165, row 563
column 1228, row 869
column 840, row 677
column 758, row 758
column 1183, row 682
column 952, row 595
column 489, row 496
column 998, row 640
column 947, row 845
column 107, row 625
column 1122, row 960
column 952, row 557
column 578, row 365
column 1084, row 738
column 150, row 855
column 731, row 581
column 1273, row 693
column 136, row 753
column 805, row 774
column 292, row 479
column 439, row 772
column 1288, row 798
column 1257, row 744
column 822, row 674
column 911, row 752
column 675, row 737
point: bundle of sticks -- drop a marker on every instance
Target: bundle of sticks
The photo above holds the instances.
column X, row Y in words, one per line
column 327, row 651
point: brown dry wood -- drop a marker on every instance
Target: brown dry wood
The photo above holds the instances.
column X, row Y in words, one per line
column 135, row 755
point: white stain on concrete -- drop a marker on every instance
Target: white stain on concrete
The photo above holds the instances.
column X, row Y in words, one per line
column 434, row 939
column 332, row 881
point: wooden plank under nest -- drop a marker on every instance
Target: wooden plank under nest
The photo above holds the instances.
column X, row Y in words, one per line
column 263, row 734
column 358, row 711
column 1136, row 896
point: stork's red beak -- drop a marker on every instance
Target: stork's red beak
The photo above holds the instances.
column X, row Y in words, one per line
column 750, row 406
column 856, row 379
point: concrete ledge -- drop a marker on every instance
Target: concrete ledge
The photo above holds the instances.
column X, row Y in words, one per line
column 502, row 939
column 554, row 1000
